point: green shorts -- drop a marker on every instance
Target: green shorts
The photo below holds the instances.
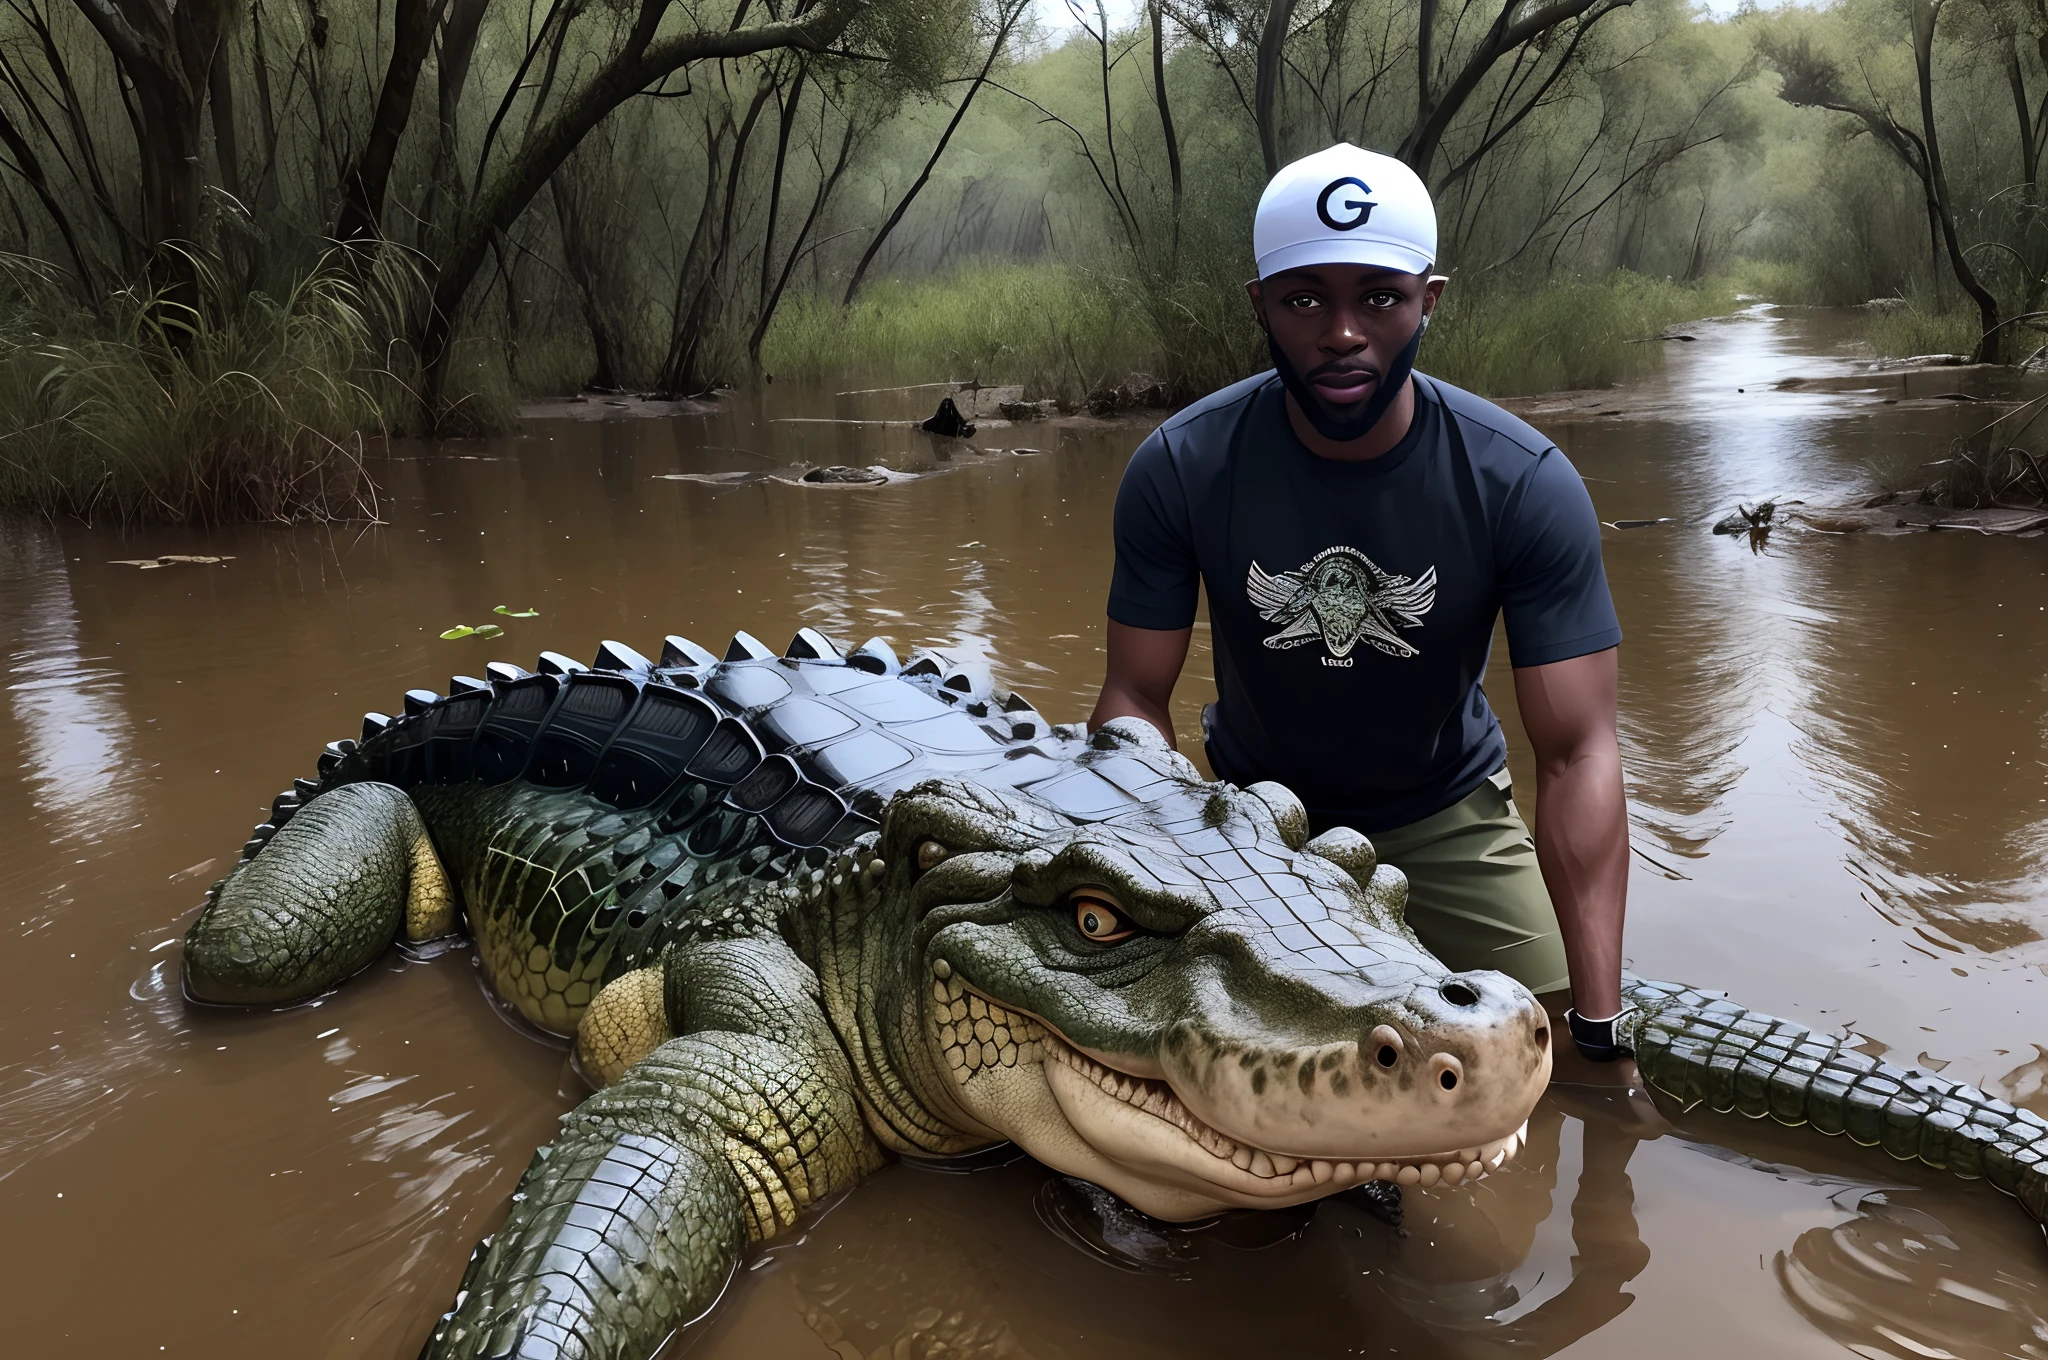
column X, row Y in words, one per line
column 1475, row 895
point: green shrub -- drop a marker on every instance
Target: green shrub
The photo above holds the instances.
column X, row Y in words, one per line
column 212, row 403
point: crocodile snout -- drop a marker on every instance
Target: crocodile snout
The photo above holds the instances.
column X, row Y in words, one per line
column 1456, row 1062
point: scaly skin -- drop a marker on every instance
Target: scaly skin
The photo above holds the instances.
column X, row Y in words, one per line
column 782, row 972
column 1698, row 1048
column 631, row 1222
column 272, row 932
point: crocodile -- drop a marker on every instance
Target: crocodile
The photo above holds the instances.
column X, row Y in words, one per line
column 802, row 913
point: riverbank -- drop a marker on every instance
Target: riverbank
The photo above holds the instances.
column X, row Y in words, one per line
column 1094, row 338
column 264, row 408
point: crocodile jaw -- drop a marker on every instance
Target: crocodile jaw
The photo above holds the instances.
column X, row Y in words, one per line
column 1142, row 1125
column 1135, row 1136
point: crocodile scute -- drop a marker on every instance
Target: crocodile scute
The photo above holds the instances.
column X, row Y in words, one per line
column 803, row 912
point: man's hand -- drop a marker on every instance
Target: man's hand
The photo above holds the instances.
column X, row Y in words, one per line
column 1615, row 1088
column 1568, row 710
column 1144, row 664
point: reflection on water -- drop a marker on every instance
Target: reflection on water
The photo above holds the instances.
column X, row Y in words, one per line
column 1835, row 751
column 1890, row 1280
column 73, row 736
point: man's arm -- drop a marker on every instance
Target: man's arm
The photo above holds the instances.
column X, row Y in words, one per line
column 1144, row 664
column 1568, row 709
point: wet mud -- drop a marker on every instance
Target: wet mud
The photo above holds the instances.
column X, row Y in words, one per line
column 1835, row 747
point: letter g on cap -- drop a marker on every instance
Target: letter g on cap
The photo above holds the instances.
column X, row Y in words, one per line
column 1359, row 208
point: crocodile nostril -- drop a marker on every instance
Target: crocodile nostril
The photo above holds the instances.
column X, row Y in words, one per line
column 1458, row 993
column 1387, row 1056
column 1388, row 1040
column 1447, row 1070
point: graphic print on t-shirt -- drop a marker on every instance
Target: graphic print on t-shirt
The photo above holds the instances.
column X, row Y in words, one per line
column 1340, row 598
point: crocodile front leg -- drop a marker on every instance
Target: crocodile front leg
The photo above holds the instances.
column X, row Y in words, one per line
column 631, row 1222
column 1702, row 1049
column 320, row 901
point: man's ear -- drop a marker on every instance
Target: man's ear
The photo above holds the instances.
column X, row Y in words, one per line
column 1433, row 292
column 1258, row 297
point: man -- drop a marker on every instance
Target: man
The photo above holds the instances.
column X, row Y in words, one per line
column 1358, row 528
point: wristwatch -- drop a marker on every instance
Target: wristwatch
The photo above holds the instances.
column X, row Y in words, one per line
column 1596, row 1038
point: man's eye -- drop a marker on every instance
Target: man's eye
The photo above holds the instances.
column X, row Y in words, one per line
column 1303, row 302
column 1384, row 300
column 1097, row 917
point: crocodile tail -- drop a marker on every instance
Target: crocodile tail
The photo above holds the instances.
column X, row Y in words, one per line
column 1699, row 1048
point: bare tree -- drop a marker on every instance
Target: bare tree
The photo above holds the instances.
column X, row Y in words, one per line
column 165, row 52
column 643, row 59
column 1812, row 79
column 1008, row 12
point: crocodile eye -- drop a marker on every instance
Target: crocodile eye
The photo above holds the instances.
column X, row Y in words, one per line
column 1097, row 917
column 930, row 853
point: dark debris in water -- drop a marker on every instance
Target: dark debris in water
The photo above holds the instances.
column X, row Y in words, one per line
column 841, row 475
column 1103, row 1227
column 1381, row 1199
column 948, row 421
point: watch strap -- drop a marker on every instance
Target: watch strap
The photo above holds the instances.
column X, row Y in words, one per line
column 1597, row 1039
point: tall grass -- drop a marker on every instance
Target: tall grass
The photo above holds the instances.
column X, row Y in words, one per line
column 1506, row 341
column 1921, row 326
column 1064, row 332
column 1059, row 330
column 214, row 402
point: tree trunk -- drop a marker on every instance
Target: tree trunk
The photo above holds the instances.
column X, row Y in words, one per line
column 786, row 111
column 364, row 184
column 639, row 63
column 1425, row 63
column 1166, row 125
column 226, row 150
column 1266, row 92
column 2016, row 77
column 1991, row 344
column 166, row 55
column 605, row 346
column 826, row 184
column 690, row 267
column 31, row 169
column 1010, row 14
column 1436, row 111
column 459, row 33
column 266, row 109
column 681, row 372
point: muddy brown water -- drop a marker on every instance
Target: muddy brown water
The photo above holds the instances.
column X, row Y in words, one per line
column 1835, row 751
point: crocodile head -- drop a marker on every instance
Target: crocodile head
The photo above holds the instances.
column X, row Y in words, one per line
column 1183, row 1004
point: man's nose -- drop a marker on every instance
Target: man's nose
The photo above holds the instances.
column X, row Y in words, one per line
column 1343, row 335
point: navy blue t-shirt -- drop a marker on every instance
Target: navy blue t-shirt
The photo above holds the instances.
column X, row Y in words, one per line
column 1352, row 603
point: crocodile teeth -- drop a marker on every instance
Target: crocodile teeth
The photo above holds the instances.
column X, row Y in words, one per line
column 1156, row 1098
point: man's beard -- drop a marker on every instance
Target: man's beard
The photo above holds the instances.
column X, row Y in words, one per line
column 1357, row 419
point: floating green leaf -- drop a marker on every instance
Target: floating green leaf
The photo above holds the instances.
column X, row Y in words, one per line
column 463, row 630
column 489, row 630
column 527, row 613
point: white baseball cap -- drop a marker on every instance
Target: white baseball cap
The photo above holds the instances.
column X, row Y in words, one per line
column 1345, row 205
